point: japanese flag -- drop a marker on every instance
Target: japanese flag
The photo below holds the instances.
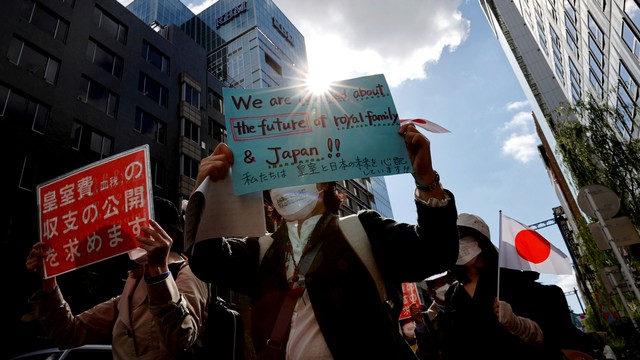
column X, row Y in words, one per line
column 524, row 249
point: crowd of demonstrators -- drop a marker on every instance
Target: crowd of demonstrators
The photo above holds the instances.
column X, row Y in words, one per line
column 430, row 323
column 312, row 266
column 519, row 319
column 307, row 277
column 155, row 316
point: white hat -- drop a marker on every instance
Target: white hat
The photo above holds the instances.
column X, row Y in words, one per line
column 469, row 249
column 474, row 222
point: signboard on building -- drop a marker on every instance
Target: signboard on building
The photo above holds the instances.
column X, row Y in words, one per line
column 290, row 136
column 94, row 213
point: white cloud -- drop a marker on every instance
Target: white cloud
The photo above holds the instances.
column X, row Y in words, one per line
column 516, row 105
column 521, row 147
column 361, row 37
column 198, row 6
column 521, row 140
column 519, row 121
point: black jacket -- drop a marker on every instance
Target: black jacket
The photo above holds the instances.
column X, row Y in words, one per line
column 341, row 290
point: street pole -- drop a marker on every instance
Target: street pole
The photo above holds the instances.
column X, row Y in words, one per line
column 575, row 291
column 624, row 301
column 623, row 266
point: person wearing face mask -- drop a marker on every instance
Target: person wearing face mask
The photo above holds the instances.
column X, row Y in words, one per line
column 337, row 288
column 155, row 316
column 522, row 323
column 430, row 324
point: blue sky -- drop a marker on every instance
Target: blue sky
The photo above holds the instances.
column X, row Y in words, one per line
column 443, row 63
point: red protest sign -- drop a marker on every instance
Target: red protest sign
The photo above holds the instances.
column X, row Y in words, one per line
column 409, row 296
column 94, row 213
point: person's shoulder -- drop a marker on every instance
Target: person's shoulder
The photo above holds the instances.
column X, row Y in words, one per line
column 368, row 212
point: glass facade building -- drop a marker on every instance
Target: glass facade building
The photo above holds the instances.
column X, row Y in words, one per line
column 254, row 46
column 166, row 12
column 250, row 44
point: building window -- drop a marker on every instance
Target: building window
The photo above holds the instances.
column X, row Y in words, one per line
column 215, row 101
column 596, row 32
column 217, row 131
column 570, row 20
column 35, row 61
column 28, row 173
column 190, row 95
column 190, row 130
column 155, row 57
column 109, row 25
column 104, row 58
column 557, row 54
column 551, row 7
column 627, row 101
column 88, row 140
column 235, row 64
column 631, row 39
column 98, row 96
column 45, row 20
column 574, row 77
column 158, row 173
column 632, row 11
column 152, row 89
column 189, row 167
column 273, row 64
column 16, row 106
column 542, row 37
column 596, row 77
column 150, row 126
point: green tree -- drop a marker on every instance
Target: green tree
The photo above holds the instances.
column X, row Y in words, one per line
column 594, row 151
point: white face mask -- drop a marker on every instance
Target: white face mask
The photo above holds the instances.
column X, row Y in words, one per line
column 295, row 203
column 441, row 291
column 469, row 250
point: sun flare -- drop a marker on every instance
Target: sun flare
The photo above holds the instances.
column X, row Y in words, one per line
column 317, row 84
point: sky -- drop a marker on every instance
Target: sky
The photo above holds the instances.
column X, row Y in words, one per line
column 443, row 63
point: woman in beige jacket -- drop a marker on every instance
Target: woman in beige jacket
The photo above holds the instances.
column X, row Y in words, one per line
column 155, row 317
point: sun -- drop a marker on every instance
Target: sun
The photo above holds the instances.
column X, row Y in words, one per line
column 317, row 83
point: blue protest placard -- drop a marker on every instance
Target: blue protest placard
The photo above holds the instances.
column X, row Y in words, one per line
column 289, row 136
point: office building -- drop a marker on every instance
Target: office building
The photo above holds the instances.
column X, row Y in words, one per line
column 562, row 51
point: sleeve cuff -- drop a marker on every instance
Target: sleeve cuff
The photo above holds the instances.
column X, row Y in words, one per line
column 157, row 278
column 433, row 202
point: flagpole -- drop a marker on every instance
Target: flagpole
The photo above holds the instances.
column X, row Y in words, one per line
column 499, row 244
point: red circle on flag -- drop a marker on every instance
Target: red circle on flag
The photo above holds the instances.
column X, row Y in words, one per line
column 532, row 247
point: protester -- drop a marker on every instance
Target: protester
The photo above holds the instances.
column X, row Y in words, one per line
column 408, row 327
column 515, row 323
column 338, row 290
column 154, row 318
column 429, row 325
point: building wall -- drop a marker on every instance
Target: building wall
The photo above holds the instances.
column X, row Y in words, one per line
column 69, row 98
